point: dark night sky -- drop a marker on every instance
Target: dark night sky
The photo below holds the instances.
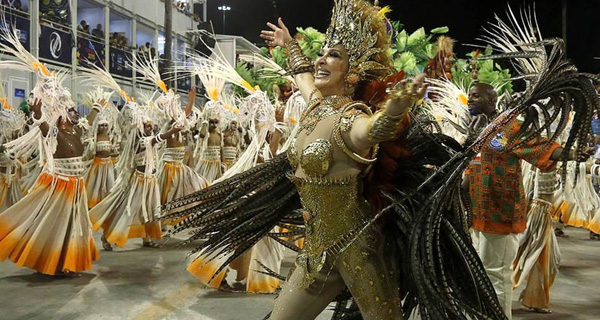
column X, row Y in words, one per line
column 464, row 18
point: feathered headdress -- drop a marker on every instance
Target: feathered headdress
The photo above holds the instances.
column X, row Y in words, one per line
column 168, row 101
column 56, row 99
column 97, row 76
column 217, row 67
column 12, row 120
column 361, row 29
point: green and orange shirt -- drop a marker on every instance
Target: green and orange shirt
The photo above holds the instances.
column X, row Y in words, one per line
column 496, row 183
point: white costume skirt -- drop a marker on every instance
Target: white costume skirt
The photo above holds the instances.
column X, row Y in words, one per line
column 99, row 180
column 34, row 170
column 266, row 252
column 538, row 257
column 177, row 180
column 209, row 165
column 229, row 156
column 129, row 211
column 49, row 229
column 11, row 190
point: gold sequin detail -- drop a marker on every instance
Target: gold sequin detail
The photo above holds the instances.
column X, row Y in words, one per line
column 321, row 109
column 317, row 157
column 336, row 209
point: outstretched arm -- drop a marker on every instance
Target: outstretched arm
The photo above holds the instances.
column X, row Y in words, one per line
column 585, row 155
column 384, row 125
column 279, row 35
column 192, row 98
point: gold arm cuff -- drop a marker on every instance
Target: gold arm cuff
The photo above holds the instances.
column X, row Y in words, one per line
column 339, row 140
column 297, row 61
column 383, row 127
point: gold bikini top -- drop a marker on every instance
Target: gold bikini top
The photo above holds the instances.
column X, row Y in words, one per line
column 317, row 157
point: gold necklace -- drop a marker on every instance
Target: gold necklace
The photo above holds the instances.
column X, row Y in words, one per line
column 321, row 109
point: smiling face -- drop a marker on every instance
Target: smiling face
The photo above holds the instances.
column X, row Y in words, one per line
column 331, row 70
column 482, row 99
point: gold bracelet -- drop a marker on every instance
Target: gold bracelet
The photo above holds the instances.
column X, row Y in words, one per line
column 297, row 62
column 339, row 140
column 383, row 127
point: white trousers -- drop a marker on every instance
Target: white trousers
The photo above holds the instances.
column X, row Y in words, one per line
column 497, row 252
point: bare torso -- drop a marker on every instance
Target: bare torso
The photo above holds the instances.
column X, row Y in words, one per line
column 102, row 154
column 69, row 143
column 214, row 139
column 231, row 138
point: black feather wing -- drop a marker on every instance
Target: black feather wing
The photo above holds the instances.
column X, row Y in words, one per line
column 236, row 213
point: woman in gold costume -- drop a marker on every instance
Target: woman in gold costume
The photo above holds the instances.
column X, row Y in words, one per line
column 328, row 188
column 337, row 142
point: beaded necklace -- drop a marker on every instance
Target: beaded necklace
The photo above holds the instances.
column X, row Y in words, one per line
column 321, row 109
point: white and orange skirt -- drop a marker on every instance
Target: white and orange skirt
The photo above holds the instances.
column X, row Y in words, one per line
column 538, row 257
column 129, row 211
column 11, row 190
column 177, row 180
column 99, row 180
column 230, row 155
column 49, row 229
column 209, row 165
column 577, row 204
column 34, row 170
column 244, row 269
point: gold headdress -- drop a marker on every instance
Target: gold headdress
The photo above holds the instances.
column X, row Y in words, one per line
column 361, row 29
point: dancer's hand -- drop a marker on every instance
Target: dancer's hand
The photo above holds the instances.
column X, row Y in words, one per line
column 405, row 98
column 102, row 103
column 278, row 35
column 36, row 107
column 586, row 153
column 175, row 129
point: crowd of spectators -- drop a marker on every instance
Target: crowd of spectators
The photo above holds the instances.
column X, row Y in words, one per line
column 119, row 40
column 147, row 50
column 84, row 28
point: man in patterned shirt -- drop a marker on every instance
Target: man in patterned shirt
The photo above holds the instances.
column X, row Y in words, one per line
column 496, row 190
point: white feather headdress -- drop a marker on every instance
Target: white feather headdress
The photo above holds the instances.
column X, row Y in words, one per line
column 56, row 99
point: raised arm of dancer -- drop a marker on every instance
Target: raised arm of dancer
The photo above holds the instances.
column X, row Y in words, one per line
column 279, row 35
column 36, row 108
column 98, row 106
column 191, row 100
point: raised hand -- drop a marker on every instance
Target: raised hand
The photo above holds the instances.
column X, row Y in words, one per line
column 102, row 103
column 278, row 35
column 36, row 107
column 404, row 97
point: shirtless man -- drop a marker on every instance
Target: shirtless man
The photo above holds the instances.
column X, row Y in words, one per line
column 231, row 143
column 210, row 165
column 52, row 222
column 176, row 179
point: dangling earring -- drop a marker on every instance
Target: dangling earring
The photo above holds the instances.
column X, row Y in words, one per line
column 352, row 80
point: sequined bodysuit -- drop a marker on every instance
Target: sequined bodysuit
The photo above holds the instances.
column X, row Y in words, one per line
column 329, row 181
